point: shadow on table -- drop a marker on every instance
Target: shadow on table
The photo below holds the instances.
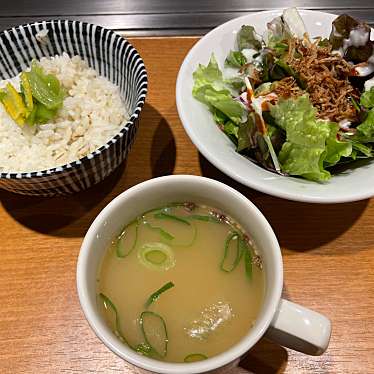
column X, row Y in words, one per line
column 265, row 357
column 153, row 154
column 299, row 226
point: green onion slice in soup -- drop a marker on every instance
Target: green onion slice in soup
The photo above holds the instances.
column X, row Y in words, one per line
column 183, row 220
column 144, row 349
column 193, row 357
column 163, row 215
column 123, row 248
column 163, row 233
column 204, row 218
column 154, row 332
column 157, row 294
column 232, row 252
column 109, row 306
column 247, row 259
column 156, row 256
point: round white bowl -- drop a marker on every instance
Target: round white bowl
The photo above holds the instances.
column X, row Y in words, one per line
column 352, row 185
column 111, row 56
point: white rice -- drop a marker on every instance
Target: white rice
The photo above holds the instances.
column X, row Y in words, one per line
column 92, row 113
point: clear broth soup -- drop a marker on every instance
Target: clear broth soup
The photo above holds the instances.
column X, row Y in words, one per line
column 181, row 283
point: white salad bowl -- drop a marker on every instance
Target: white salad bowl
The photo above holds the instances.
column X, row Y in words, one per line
column 356, row 183
column 280, row 320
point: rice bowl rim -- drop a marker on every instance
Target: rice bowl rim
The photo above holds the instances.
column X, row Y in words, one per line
column 125, row 126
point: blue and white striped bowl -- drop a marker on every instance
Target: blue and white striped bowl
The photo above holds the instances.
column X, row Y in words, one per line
column 112, row 57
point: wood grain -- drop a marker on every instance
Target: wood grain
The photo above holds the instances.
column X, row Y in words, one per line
column 328, row 254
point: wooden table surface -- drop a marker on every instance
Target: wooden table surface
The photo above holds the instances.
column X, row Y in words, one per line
column 328, row 253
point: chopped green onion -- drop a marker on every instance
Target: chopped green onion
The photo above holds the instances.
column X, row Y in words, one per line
column 144, row 349
column 108, row 305
column 247, row 258
column 227, row 267
column 206, row 218
column 156, row 256
column 194, row 234
column 154, row 332
column 166, row 235
column 146, row 318
column 150, row 211
column 193, row 357
column 120, row 247
column 163, row 215
column 157, row 294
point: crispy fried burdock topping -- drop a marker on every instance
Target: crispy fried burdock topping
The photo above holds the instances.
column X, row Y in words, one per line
column 326, row 78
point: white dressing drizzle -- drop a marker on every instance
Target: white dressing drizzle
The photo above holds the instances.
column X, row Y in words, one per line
column 369, row 84
column 344, row 124
column 249, row 53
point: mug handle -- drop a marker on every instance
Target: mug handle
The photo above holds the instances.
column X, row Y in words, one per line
column 300, row 329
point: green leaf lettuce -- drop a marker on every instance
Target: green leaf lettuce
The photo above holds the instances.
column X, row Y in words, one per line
column 211, row 89
column 365, row 131
column 247, row 38
column 235, row 59
column 311, row 144
column 367, row 99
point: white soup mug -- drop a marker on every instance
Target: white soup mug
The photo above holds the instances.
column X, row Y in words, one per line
column 282, row 321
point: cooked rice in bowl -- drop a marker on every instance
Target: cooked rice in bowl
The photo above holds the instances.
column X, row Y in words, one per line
column 92, row 113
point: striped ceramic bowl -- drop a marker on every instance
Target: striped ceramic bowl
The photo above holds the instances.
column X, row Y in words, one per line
column 112, row 57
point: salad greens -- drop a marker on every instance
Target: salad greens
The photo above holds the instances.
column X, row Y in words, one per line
column 272, row 110
column 367, row 99
column 365, row 131
column 311, row 144
column 211, row 89
column 247, row 38
column 40, row 98
column 341, row 31
column 236, row 59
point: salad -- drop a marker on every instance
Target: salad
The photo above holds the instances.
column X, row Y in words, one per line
column 294, row 104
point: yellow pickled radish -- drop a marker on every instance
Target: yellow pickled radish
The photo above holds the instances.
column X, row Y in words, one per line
column 14, row 104
column 27, row 92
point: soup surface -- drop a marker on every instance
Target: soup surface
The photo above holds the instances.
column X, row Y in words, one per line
column 181, row 283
